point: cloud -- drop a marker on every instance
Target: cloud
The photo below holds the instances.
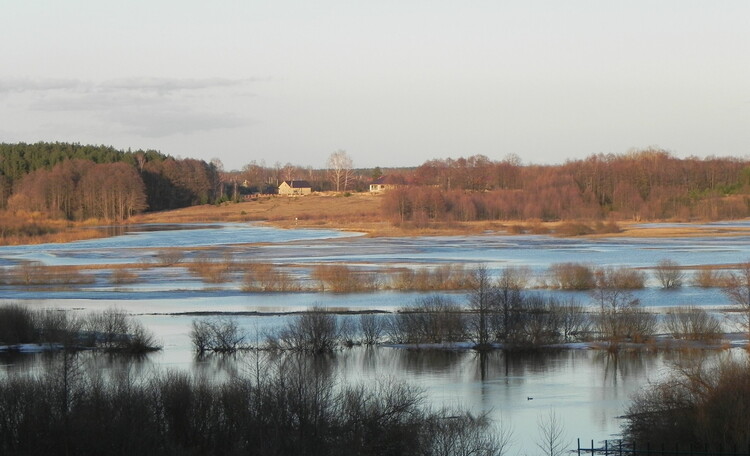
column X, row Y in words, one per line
column 143, row 106
column 142, row 84
column 20, row 85
column 168, row 85
column 166, row 122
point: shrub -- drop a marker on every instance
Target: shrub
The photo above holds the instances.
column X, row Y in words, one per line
column 371, row 328
column 17, row 325
column 169, row 257
column 433, row 319
column 123, row 276
column 212, row 271
column 697, row 405
column 669, row 274
column 113, row 330
column 316, row 331
column 266, row 277
column 693, row 323
column 571, row 276
column 709, row 278
column 343, row 279
column 620, row 278
column 219, row 335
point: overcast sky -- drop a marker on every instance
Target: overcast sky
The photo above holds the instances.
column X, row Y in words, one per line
column 392, row 82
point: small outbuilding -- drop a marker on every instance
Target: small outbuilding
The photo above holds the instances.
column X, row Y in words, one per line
column 295, row 188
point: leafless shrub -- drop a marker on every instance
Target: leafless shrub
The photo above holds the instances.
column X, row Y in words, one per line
column 443, row 277
column 371, row 328
column 737, row 289
column 108, row 328
column 36, row 273
column 212, row 271
column 17, row 325
column 693, row 323
column 571, row 276
column 669, row 274
column 344, row 279
column 620, row 316
column 622, row 278
column 266, row 277
column 573, row 229
column 540, row 322
column 709, row 278
column 696, row 404
column 218, row 334
column 113, row 330
column 461, row 433
column 575, row 322
column 433, row 319
column 316, row 331
column 169, row 257
column 123, row 276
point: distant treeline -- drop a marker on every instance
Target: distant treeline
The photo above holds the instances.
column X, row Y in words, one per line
column 645, row 185
column 77, row 182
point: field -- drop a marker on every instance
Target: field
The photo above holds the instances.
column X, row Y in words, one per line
column 357, row 212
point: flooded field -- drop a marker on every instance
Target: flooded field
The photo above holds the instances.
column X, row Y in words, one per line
column 589, row 389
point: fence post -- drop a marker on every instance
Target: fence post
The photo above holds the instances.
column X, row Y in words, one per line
column 579, row 446
column 592, row 447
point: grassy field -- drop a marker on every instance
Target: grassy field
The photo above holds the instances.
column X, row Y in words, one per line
column 357, row 212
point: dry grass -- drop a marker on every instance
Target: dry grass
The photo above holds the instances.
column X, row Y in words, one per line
column 359, row 212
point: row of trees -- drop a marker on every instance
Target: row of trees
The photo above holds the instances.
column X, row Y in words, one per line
column 79, row 182
column 648, row 184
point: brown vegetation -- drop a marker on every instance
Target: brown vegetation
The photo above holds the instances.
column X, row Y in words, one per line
column 696, row 406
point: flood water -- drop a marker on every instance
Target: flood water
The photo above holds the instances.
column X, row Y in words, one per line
column 588, row 389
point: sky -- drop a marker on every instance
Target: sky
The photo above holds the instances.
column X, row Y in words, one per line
column 394, row 83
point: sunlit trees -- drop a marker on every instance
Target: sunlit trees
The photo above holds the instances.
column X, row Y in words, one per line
column 340, row 169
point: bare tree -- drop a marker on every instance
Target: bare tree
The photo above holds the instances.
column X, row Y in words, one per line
column 737, row 290
column 669, row 274
column 481, row 303
column 551, row 434
column 340, row 168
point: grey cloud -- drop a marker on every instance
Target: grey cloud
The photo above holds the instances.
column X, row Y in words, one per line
column 149, row 107
column 167, row 85
column 160, row 123
column 143, row 84
column 20, row 85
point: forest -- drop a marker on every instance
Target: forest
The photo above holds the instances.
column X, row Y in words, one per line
column 77, row 182
column 641, row 185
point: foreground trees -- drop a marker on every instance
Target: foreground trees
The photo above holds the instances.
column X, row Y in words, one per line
column 288, row 405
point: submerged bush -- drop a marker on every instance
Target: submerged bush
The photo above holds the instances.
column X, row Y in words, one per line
column 433, row 319
column 111, row 329
column 219, row 335
column 571, row 276
column 693, row 323
column 316, row 331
